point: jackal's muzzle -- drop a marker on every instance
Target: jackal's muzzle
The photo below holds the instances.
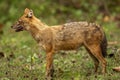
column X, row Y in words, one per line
column 18, row 26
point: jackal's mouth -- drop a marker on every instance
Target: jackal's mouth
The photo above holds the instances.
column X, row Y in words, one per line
column 19, row 28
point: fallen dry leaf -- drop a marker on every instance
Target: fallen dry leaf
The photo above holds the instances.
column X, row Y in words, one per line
column 116, row 69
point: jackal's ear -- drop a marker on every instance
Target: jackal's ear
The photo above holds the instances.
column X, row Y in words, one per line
column 26, row 10
column 30, row 14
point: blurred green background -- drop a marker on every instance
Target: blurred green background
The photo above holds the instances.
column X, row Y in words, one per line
column 20, row 57
column 61, row 11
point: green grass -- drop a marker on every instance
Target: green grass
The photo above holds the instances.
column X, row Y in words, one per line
column 24, row 61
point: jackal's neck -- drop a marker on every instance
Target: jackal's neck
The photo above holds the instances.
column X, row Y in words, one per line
column 36, row 27
column 38, row 23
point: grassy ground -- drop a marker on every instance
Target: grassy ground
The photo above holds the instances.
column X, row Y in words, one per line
column 22, row 59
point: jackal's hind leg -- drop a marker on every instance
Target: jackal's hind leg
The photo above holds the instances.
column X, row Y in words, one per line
column 96, row 62
column 96, row 51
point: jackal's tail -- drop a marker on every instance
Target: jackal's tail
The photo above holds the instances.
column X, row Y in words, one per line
column 104, row 46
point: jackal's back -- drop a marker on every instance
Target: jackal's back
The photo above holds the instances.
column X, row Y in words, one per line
column 74, row 34
column 79, row 30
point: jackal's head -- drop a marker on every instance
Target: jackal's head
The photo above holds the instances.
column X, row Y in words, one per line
column 23, row 22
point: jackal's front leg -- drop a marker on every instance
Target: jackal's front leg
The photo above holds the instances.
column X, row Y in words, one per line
column 49, row 66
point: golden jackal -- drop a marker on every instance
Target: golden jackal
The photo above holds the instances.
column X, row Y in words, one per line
column 69, row 36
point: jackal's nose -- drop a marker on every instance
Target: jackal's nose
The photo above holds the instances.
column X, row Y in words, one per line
column 11, row 26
